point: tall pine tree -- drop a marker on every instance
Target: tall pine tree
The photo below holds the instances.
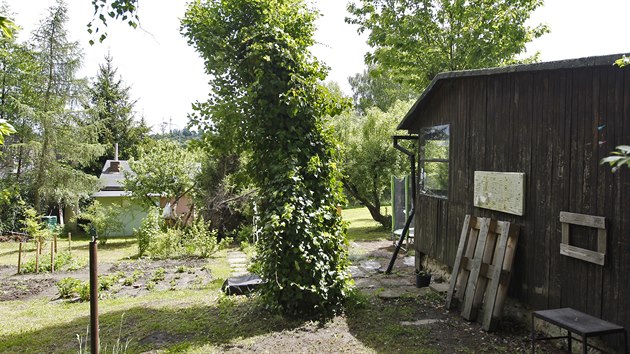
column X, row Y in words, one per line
column 61, row 145
column 112, row 112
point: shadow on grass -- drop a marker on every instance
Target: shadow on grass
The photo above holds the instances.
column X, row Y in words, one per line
column 377, row 324
column 147, row 329
column 367, row 233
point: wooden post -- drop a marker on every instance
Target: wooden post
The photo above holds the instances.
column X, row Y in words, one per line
column 37, row 249
column 55, row 242
column 69, row 242
column 20, row 258
column 52, row 257
column 94, row 331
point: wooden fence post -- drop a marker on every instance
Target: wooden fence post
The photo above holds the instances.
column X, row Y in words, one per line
column 69, row 242
column 55, row 242
column 52, row 257
column 37, row 249
column 20, row 258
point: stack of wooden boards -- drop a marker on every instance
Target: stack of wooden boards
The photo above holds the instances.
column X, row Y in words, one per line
column 482, row 269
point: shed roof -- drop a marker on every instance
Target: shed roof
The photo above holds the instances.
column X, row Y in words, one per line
column 111, row 182
column 438, row 80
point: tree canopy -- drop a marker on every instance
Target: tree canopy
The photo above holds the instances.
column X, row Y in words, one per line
column 370, row 158
column 414, row 40
column 166, row 170
column 111, row 111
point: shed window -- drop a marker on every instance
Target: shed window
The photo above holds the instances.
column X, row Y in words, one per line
column 433, row 160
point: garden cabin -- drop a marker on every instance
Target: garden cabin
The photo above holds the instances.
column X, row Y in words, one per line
column 112, row 192
column 534, row 135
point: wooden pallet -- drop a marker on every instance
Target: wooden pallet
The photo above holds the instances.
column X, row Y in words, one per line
column 482, row 268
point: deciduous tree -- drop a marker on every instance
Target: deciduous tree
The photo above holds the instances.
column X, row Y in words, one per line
column 413, row 40
column 369, row 156
column 166, row 170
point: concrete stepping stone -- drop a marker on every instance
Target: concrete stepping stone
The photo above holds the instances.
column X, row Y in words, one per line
column 428, row 321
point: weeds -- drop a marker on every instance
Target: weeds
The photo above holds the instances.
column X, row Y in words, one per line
column 118, row 348
column 64, row 261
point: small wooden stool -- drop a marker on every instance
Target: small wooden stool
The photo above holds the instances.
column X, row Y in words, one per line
column 579, row 323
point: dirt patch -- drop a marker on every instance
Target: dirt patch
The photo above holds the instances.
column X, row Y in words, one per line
column 133, row 278
column 16, row 289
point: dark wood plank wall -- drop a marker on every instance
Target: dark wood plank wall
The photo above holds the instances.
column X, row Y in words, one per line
column 555, row 126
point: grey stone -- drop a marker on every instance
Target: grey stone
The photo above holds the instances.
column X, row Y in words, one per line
column 420, row 322
column 440, row 288
column 371, row 265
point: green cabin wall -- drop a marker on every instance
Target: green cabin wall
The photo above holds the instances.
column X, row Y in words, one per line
column 131, row 215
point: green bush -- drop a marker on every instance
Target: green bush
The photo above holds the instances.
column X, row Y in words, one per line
column 104, row 219
column 64, row 261
column 68, row 287
column 165, row 244
column 149, row 228
column 72, row 287
column 195, row 240
column 202, row 240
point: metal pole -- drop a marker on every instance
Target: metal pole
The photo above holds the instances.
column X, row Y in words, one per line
column 412, row 162
column 94, row 343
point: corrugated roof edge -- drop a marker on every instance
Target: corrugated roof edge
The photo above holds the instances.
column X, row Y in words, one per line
column 549, row 65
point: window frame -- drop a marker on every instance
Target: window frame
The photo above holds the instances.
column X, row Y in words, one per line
column 422, row 139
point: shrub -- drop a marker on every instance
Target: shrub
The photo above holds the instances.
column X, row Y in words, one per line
column 195, row 240
column 64, row 261
column 104, row 219
column 202, row 240
column 149, row 228
column 165, row 244
column 68, row 287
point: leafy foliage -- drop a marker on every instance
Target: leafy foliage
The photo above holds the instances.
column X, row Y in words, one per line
column 124, row 10
column 265, row 84
column 150, row 226
column 64, row 262
column 375, row 88
column 166, row 169
column 623, row 61
column 369, row 156
column 156, row 241
column 104, row 219
column 414, row 40
column 620, row 158
column 6, row 129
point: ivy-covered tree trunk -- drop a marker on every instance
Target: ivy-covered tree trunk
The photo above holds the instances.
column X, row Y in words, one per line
column 266, row 79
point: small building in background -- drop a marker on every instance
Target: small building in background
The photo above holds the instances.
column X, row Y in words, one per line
column 112, row 192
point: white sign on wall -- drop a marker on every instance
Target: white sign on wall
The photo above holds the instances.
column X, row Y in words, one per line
column 501, row 191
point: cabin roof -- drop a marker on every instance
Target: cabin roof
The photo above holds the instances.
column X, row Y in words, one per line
column 111, row 182
column 438, row 80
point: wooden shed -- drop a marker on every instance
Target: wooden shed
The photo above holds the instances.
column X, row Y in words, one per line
column 549, row 124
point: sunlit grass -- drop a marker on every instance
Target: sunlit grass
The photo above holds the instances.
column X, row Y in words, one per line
column 362, row 227
column 114, row 250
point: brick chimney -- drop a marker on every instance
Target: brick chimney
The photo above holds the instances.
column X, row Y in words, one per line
column 114, row 166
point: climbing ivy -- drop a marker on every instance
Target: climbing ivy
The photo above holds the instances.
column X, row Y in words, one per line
column 266, row 85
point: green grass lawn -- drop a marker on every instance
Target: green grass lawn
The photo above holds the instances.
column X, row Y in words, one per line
column 114, row 250
column 362, row 227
